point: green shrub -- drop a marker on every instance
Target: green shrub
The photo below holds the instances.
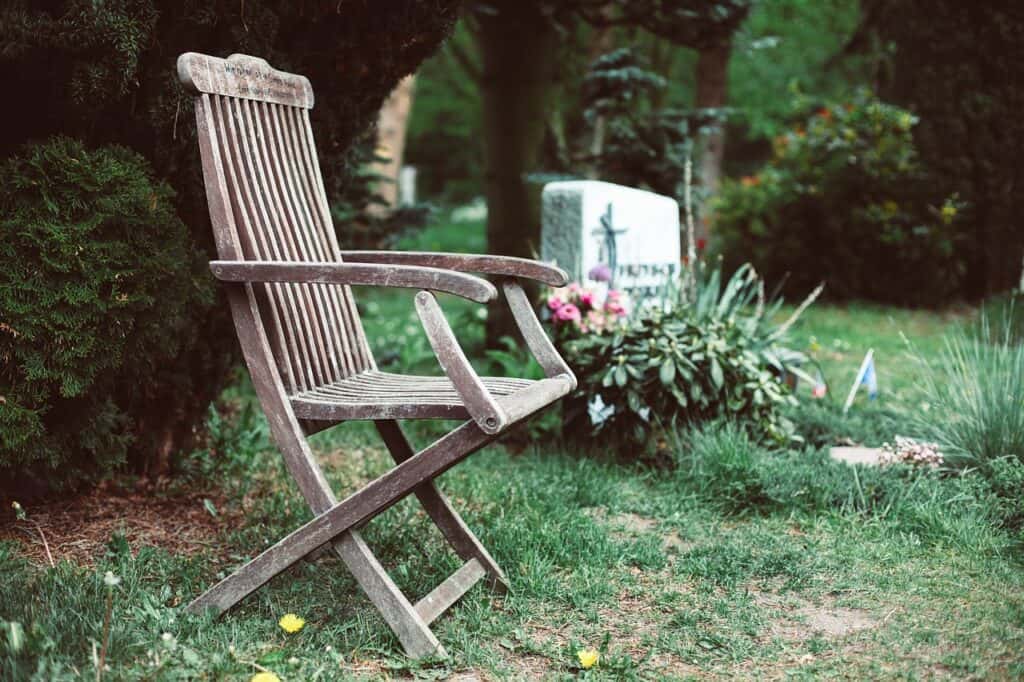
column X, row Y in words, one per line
column 844, row 201
column 98, row 283
column 690, row 361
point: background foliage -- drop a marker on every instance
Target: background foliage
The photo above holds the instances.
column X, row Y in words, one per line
column 961, row 72
column 846, row 201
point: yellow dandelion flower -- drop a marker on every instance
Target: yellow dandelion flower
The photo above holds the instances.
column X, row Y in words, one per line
column 265, row 677
column 588, row 658
column 948, row 213
column 291, row 623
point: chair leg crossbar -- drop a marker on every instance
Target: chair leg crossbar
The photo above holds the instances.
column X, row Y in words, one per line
column 413, row 473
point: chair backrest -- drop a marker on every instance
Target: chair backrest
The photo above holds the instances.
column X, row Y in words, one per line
column 267, row 202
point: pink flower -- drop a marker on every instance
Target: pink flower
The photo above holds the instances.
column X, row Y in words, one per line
column 614, row 294
column 587, row 298
column 554, row 302
column 615, row 308
column 568, row 313
column 574, row 288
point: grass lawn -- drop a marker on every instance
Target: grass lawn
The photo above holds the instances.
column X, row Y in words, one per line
column 737, row 562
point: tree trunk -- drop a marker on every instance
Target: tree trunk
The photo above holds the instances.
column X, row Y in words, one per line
column 712, row 93
column 602, row 41
column 392, row 124
column 518, row 46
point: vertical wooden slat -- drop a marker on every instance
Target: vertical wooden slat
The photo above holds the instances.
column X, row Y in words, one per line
column 291, row 230
column 277, row 235
column 349, row 316
column 359, row 335
column 318, row 236
column 309, row 245
column 231, row 160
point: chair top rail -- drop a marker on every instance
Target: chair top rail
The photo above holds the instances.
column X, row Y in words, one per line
column 244, row 77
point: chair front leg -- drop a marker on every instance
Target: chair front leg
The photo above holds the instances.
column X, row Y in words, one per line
column 361, row 506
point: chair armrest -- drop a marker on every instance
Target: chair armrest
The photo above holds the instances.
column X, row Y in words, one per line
column 357, row 274
column 536, row 338
column 463, row 262
column 479, row 402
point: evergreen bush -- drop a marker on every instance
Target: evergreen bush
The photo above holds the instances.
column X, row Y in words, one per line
column 99, row 288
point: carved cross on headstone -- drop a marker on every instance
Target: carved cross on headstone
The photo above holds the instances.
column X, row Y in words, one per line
column 606, row 235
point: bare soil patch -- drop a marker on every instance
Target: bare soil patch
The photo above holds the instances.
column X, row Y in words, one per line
column 796, row 619
column 78, row 528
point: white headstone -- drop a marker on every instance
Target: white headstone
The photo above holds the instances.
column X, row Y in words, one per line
column 586, row 223
column 407, row 186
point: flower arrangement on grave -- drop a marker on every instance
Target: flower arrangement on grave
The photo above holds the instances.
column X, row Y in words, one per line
column 578, row 310
column 710, row 349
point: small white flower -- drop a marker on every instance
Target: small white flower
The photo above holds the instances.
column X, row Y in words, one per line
column 111, row 580
column 167, row 636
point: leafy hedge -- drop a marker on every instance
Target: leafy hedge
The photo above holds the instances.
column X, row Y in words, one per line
column 846, row 201
column 98, row 287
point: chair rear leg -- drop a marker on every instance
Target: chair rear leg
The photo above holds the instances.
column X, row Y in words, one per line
column 439, row 509
column 399, row 613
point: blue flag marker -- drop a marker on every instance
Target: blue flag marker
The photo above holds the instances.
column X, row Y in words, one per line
column 870, row 379
column 865, row 377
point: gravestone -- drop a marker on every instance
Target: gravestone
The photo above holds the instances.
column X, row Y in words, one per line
column 634, row 233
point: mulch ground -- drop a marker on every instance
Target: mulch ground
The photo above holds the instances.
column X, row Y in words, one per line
column 78, row 528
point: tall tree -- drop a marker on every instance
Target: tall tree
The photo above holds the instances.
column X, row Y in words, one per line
column 103, row 72
column 392, row 124
column 518, row 41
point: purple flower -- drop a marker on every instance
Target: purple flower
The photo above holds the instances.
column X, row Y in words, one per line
column 600, row 273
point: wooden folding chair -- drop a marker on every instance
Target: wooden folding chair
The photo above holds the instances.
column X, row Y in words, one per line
column 301, row 335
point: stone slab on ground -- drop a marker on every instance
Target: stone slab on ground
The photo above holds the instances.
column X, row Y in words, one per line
column 856, row 455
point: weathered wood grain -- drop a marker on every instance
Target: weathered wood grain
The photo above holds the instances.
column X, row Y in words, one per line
column 536, row 338
column 374, row 498
column 439, row 509
column 306, row 348
column 357, row 274
column 447, row 593
column 243, row 76
column 479, row 402
column 508, row 266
